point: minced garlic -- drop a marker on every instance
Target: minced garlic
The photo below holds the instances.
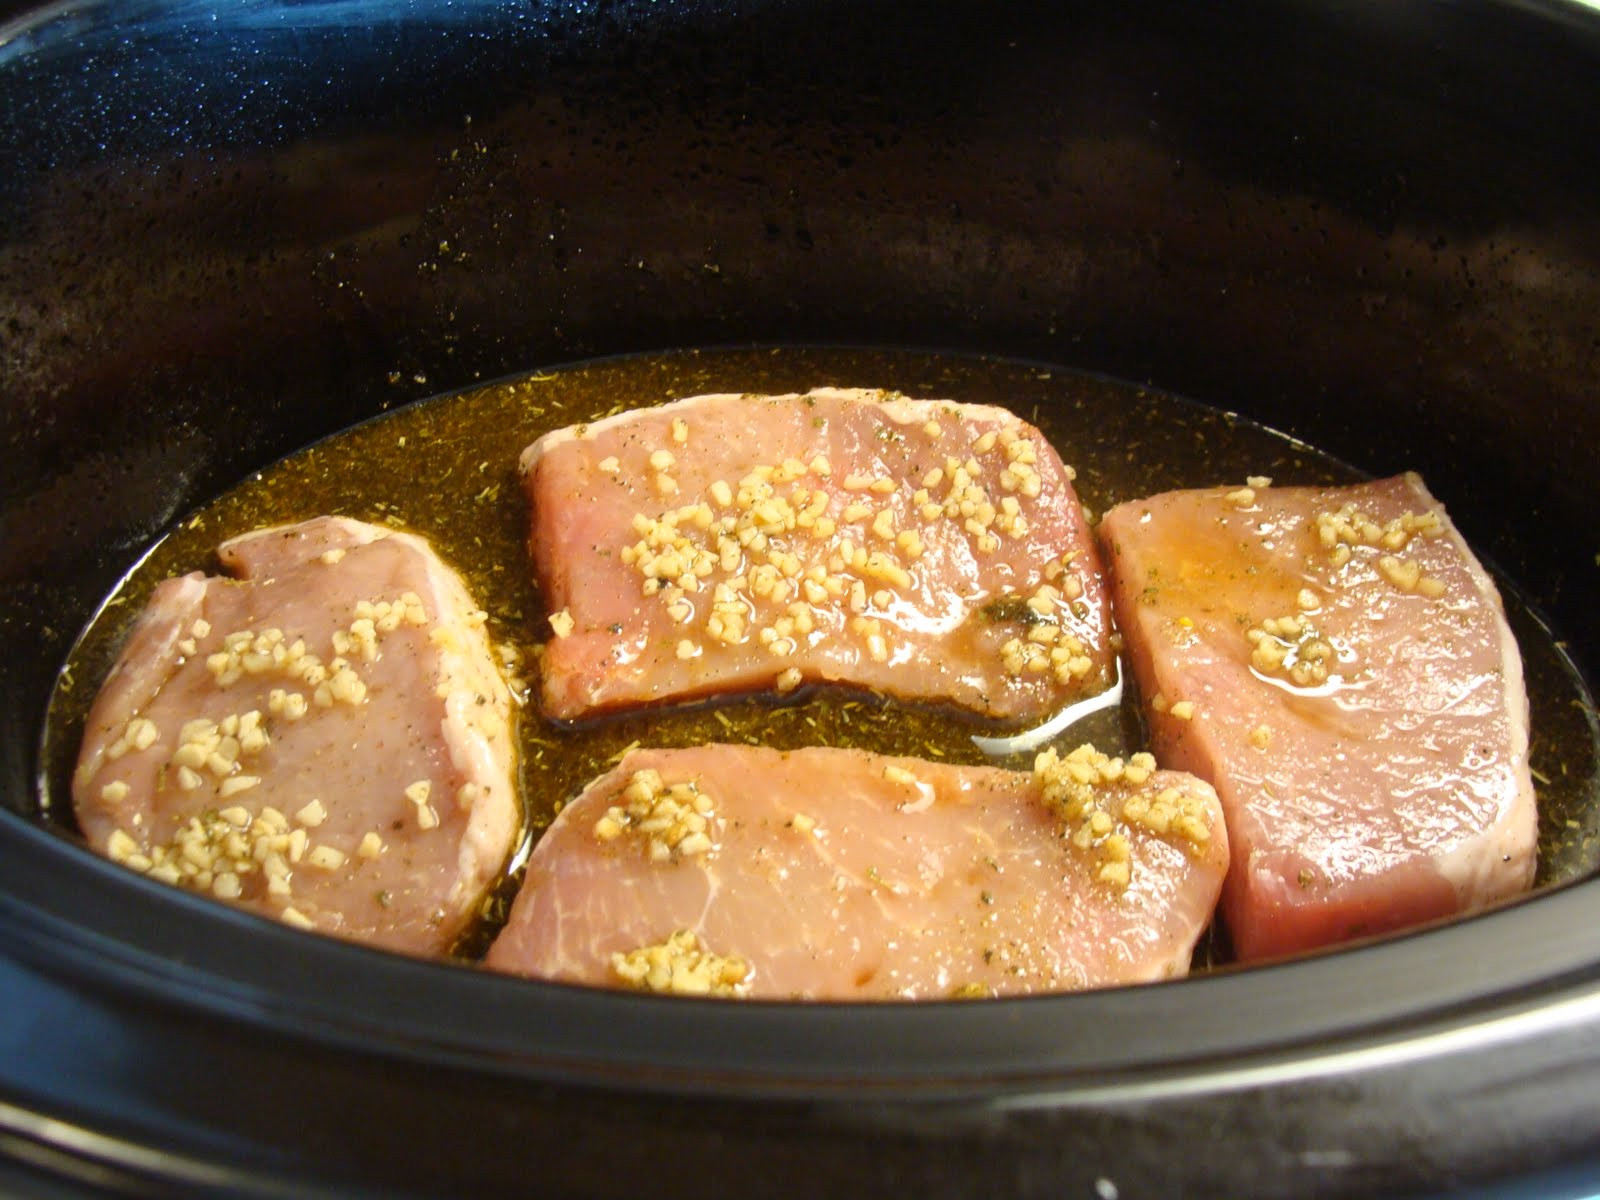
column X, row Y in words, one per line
column 1099, row 798
column 682, row 966
column 1340, row 529
column 268, row 652
column 673, row 819
column 1169, row 810
column 217, row 851
column 218, row 748
column 1048, row 648
column 792, row 531
column 1406, row 574
column 1291, row 647
column 140, row 733
column 325, row 858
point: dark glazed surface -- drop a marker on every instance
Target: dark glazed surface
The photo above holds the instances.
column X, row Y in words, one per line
column 225, row 231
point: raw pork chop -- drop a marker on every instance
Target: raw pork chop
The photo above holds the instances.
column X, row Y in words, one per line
column 842, row 875
column 325, row 740
column 1336, row 662
column 933, row 551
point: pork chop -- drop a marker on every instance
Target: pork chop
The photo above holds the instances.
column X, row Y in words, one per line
column 929, row 550
column 1337, row 663
column 324, row 739
column 826, row 874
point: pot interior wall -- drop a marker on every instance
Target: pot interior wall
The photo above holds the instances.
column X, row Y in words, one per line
column 224, row 237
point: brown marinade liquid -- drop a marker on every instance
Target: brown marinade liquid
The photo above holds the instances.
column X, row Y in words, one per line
column 447, row 469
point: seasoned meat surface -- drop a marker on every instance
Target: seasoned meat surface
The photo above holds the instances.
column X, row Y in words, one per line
column 830, row 874
column 929, row 550
column 324, row 738
column 1336, row 662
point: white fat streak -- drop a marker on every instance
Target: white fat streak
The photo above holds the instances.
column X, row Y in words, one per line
column 902, row 410
column 1032, row 739
column 926, row 794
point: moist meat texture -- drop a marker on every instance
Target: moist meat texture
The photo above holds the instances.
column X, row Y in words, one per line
column 324, row 739
column 1337, row 663
column 830, row 874
column 929, row 550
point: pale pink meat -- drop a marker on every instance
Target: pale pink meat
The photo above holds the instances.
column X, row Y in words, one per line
column 1395, row 790
column 420, row 706
column 738, row 543
column 843, row 875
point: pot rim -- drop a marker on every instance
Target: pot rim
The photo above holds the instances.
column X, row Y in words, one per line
column 1522, row 971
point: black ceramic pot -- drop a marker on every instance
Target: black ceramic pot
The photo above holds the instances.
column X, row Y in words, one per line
column 226, row 230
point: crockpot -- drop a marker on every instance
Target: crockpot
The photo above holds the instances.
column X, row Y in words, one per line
column 228, row 229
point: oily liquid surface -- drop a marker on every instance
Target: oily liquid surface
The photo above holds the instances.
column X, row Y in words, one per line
column 446, row 469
